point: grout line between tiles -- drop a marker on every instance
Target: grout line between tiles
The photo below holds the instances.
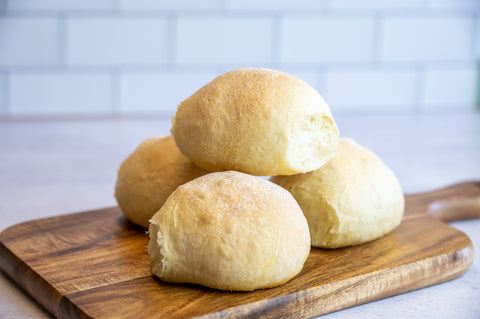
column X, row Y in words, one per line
column 6, row 108
column 172, row 38
column 276, row 40
column 115, row 99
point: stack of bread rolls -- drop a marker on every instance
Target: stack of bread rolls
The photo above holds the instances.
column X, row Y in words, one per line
column 213, row 217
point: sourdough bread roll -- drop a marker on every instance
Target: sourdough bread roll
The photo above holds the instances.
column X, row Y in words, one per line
column 229, row 231
column 353, row 199
column 149, row 175
column 259, row 121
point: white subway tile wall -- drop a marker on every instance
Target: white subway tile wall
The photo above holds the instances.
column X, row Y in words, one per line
column 116, row 41
column 371, row 89
column 29, row 41
column 427, row 39
column 446, row 86
column 176, row 5
column 64, row 93
column 61, row 5
column 311, row 40
column 458, row 4
column 377, row 4
column 158, row 92
column 276, row 5
column 131, row 57
column 223, row 40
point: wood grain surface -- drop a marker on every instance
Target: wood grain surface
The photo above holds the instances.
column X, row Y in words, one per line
column 95, row 265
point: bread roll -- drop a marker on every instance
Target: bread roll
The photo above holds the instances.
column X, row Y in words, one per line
column 149, row 175
column 352, row 199
column 258, row 121
column 229, row 231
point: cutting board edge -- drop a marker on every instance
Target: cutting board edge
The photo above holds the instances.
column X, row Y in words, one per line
column 56, row 303
column 276, row 307
column 435, row 276
column 60, row 306
column 27, row 279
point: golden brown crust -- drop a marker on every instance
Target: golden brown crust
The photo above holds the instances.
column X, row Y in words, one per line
column 149, row 175
column 256, row 121
column 229, row 231
column 352, row 199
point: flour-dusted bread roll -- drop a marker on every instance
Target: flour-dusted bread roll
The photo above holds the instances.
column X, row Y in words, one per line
column 149, row 175
column 229, row 231
column 352, row 199
column 258, row 121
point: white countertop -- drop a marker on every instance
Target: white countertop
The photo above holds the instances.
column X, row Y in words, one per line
column 52, row 168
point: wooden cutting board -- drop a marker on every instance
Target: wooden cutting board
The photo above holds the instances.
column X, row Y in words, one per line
column 95, row 264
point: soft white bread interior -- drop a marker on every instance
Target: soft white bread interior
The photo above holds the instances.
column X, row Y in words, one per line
column 149, row 175
column 259, row 121
column 353, row 199
column 229, row 231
